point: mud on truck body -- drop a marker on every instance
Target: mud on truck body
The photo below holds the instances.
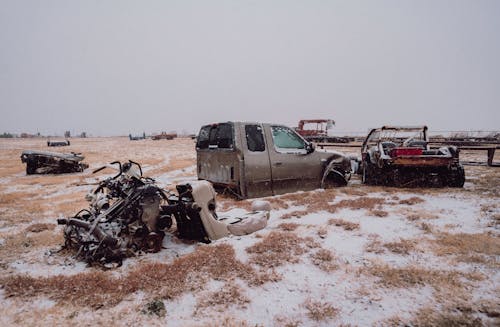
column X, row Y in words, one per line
column 254, row 160
column 401, row 156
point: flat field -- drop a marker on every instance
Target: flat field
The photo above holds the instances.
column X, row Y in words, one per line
column 351, row 256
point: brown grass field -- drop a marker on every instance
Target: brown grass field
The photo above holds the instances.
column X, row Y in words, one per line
column 353, row 256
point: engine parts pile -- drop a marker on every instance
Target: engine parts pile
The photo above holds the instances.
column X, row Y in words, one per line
column 129, row 213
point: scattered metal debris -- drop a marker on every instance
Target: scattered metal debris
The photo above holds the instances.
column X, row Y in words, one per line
column 401, row 156
column 129, row 213
column 58, row 143
column 42, row 162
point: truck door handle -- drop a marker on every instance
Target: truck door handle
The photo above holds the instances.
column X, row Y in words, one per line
column 278, row 163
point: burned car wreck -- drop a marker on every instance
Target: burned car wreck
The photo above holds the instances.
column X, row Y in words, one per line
column 252, row 160
column 129, row 214
column 401, row 156
column 43, row 162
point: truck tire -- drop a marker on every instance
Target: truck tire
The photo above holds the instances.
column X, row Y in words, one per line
column 456, row 177
column 368, row 170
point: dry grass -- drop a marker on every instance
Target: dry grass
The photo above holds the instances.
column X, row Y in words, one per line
column 481, row 248
column 412, row 276
column 288, row 227
column 427, row 228
column 165, row 281
column 346, row 225
column 401, row 247
column 286, row 321
column 322, row 231
column 325, row 260
column 429, row 316
column 462, row 243
column 360, row 203
column 226, row 321
column 414, row 215
column 379, row 213
column 374, row 244
column 40, row 227
column 279, row 248
column 412, row 201
column 228, row 295
column 320, row 311
column 295, row 214
column 24, row 242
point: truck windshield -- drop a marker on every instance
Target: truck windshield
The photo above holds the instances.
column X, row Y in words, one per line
column 218, row 136
column 285, row 138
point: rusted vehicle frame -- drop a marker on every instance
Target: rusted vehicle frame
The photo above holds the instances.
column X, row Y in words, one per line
column 400, row 160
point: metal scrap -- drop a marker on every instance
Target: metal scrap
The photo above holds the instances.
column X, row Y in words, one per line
column 43, row 162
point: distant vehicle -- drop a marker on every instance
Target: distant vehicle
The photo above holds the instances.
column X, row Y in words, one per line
column 164, row 136
column 42, row 162
column 401, row 156
column 319, row 133
column 255, row 160
column 136, row 138
column 58, row 143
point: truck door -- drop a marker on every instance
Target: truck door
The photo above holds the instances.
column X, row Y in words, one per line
column 292, row 167
column 258, row 181
column 217, row 157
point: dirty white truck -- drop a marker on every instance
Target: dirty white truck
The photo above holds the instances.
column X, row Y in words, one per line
column 257, row 159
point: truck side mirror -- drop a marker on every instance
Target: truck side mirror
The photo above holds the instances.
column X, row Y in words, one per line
column 310, row 147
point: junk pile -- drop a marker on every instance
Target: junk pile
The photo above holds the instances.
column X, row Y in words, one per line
column 43, row 162
column 129, row 214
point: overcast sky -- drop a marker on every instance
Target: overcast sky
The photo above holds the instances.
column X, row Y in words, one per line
column 114, row 67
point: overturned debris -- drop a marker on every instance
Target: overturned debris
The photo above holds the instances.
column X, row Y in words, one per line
column 129, row 213
column 43, row 162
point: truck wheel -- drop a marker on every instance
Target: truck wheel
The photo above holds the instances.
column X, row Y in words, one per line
column 365, row 179
column 397, row 178
column 457, row 177
column 334, row 179
column 30, row 167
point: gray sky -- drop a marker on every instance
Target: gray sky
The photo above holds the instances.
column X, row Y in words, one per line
column 114, row 67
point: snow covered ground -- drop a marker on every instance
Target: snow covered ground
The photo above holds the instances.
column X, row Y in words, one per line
column 353, row 256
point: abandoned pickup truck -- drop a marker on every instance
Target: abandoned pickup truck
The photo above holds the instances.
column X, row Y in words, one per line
column 255, row 160
column 401, row 156
column 43, row 162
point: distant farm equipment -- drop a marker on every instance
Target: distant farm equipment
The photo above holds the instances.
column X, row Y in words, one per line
column 318, row 131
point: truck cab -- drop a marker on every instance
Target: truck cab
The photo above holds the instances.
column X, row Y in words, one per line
column 258, row 159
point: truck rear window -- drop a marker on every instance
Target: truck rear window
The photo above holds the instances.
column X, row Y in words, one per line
column 218, row 136
column 255, row 138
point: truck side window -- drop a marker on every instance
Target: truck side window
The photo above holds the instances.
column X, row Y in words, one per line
column 219, row 136
column 202, row 141
column 285, row 138
column 255, row 138
column 224, row 136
